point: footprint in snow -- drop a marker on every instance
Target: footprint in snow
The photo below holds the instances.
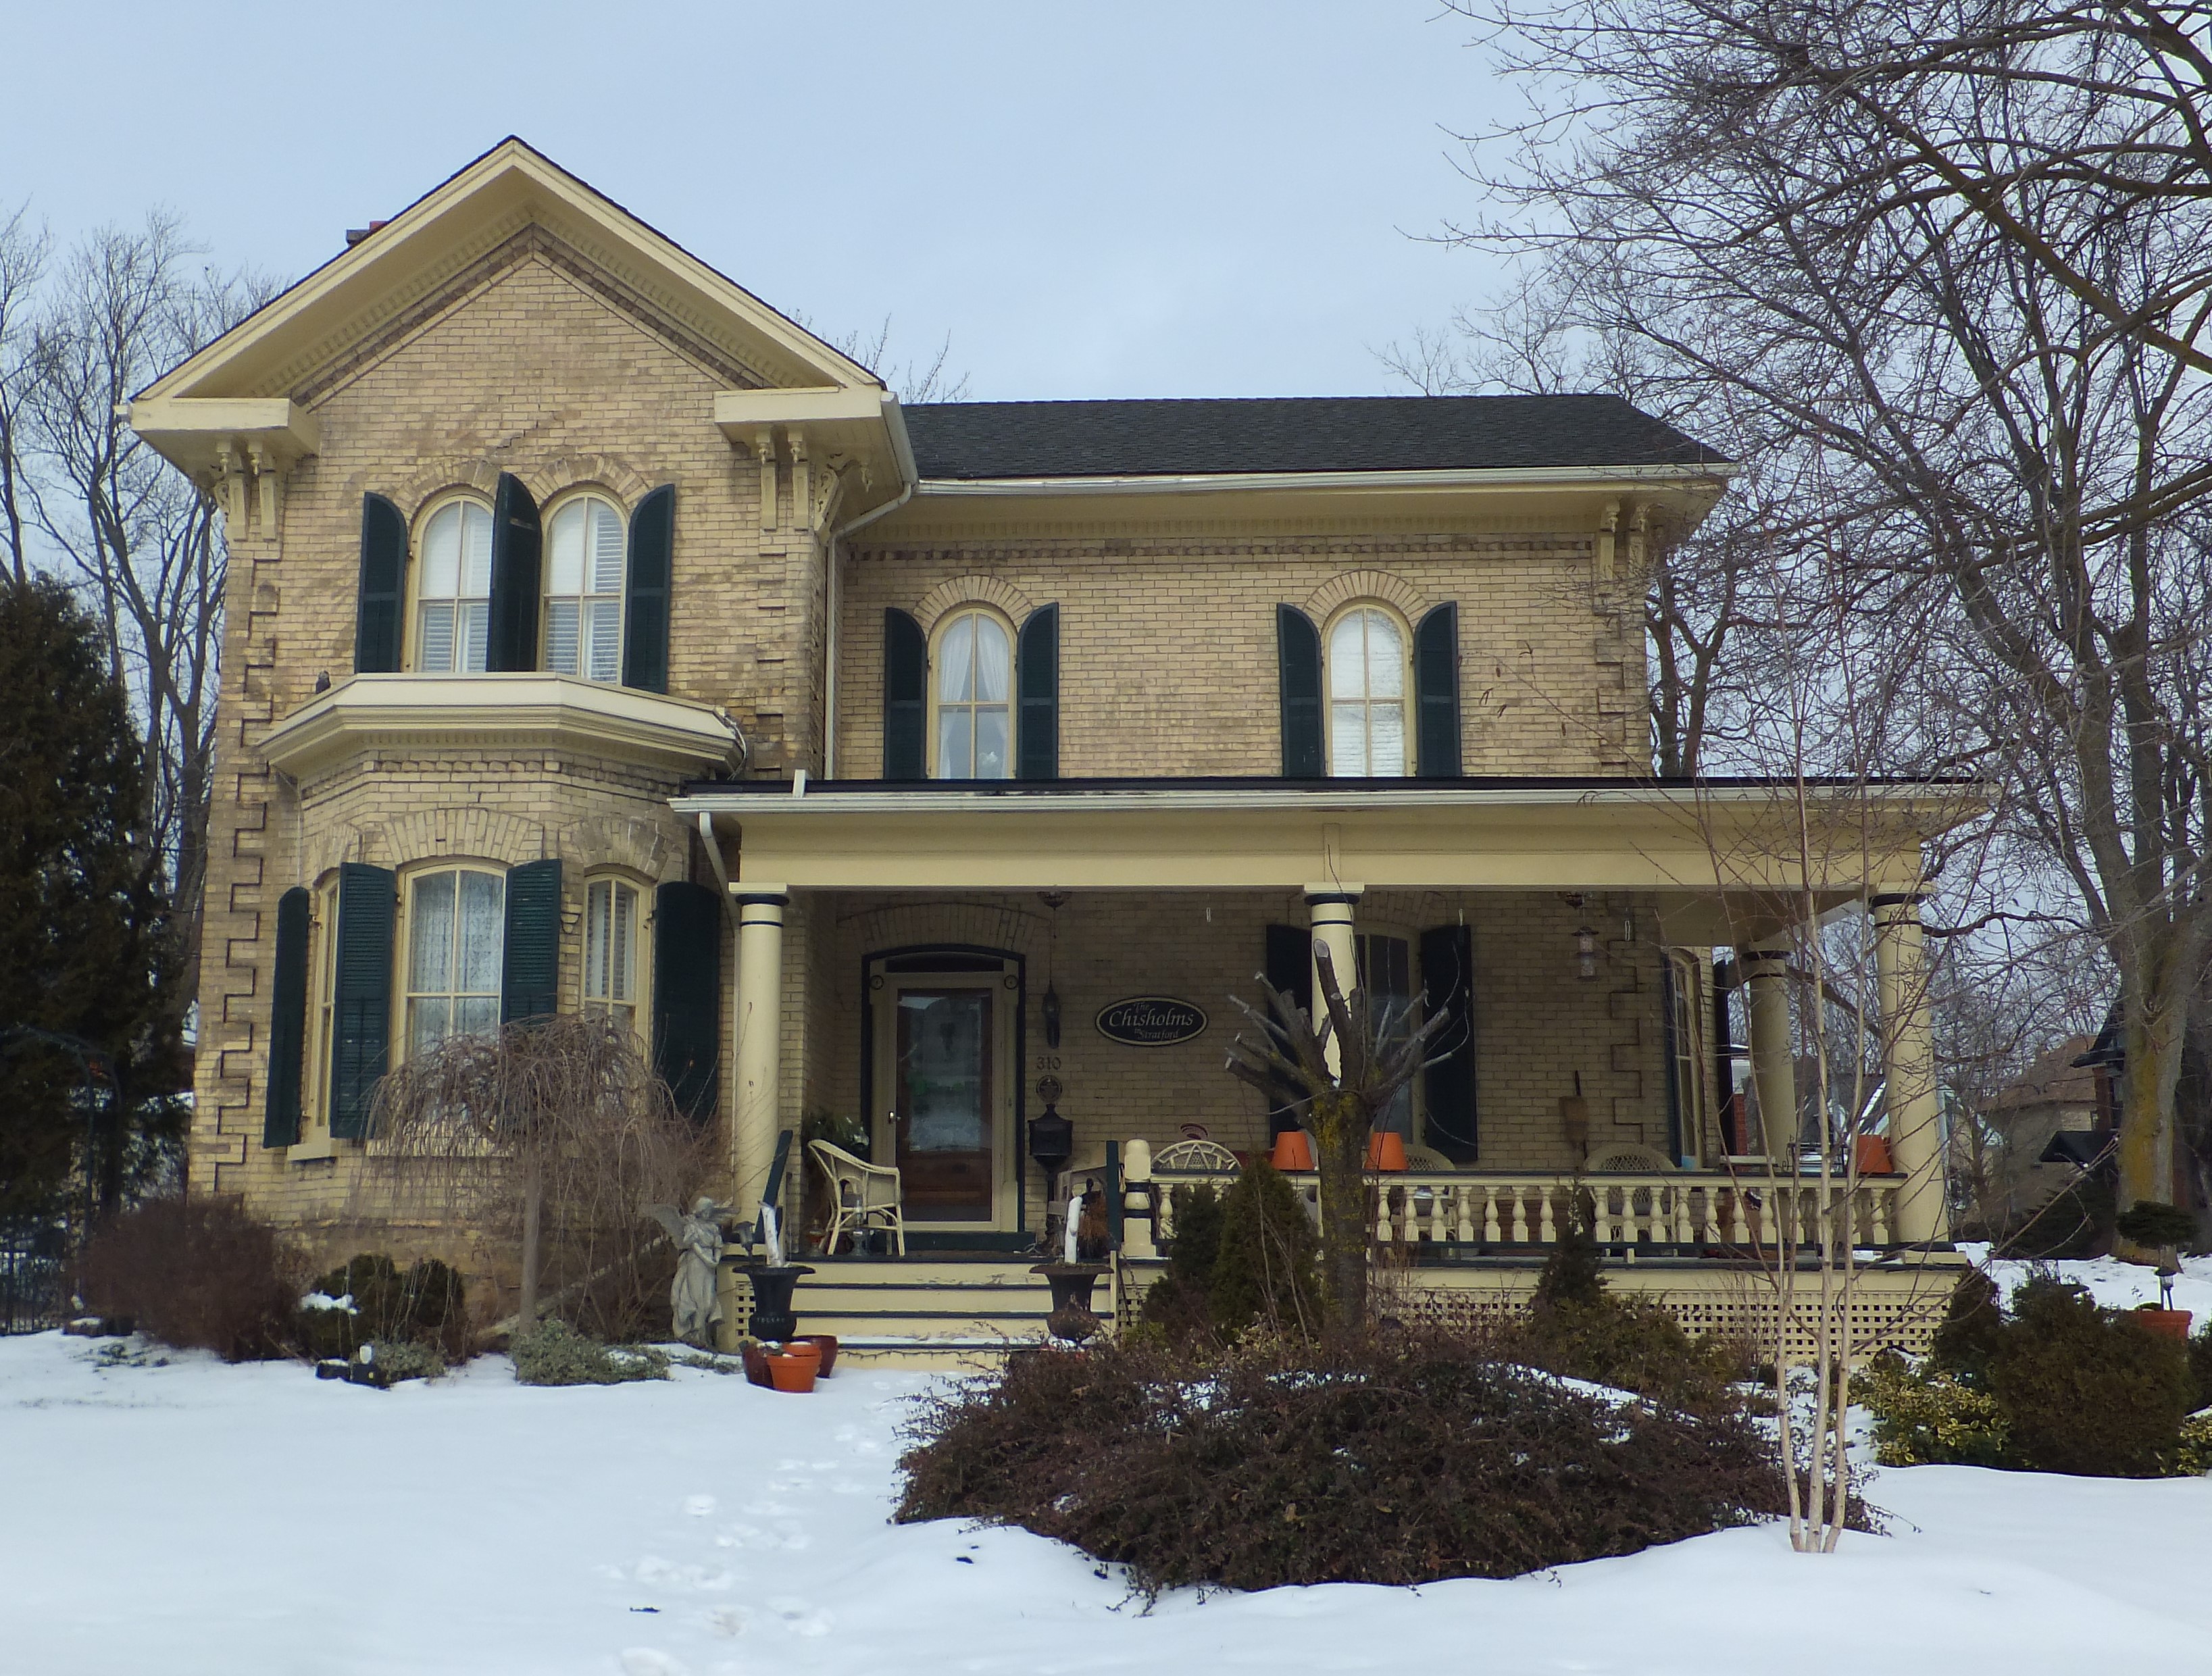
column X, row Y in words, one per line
column 662, row 1573
column 699, row 1506
column 728, row 1621
column 800, row 1618
column 650, row 1662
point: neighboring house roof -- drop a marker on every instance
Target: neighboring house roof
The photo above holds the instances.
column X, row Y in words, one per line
column 1019, row 439
column 2054, row 1078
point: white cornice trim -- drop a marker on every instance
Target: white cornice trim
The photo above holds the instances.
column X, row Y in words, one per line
column 558, row 713
column 1498, row 477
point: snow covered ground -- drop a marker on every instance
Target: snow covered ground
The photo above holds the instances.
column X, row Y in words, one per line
column 2121, row 1286
column 194, row 1518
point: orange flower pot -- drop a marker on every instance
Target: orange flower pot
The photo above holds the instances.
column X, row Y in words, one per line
column 1386, row 1150
column 1294, row 1150
column 1873, row 1155
column 2171, row 1323
column 804, row 1350
column 826, row 1344
column 792, row 1373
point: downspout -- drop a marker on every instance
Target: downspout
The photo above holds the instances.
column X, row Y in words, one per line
column 902, row 450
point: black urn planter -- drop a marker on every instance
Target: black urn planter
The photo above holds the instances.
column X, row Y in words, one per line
column 772, row 1314
column 1072, row 1317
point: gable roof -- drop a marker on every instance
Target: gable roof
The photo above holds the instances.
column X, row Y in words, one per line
column 458, row 222
column 981, row 440
column 2056, row 1078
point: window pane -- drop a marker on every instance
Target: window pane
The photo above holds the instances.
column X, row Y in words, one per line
column 955, row 662
column 560, row 636
column 1386, row 739
column 474, row 635
column 564, row 557
column 994, row 660
column 602, row 640
column 483, row 932
column 442, row 554
column 434, row 651
column 625, row 916
column 597, row 923
column 476, row 1015
column 606, row 548
column 1386, row 658
column 430, row 938
column 953, row 758
column 991, row 742
column 1347, row 658
column 1347, row 739
column 476, row 550
column 428, row 1024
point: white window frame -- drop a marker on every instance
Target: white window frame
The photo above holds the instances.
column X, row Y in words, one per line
column 592, row 995
column 939, row 634
column 405, row 995
column 418, row 574
column 588, row 600
column 1368, row 701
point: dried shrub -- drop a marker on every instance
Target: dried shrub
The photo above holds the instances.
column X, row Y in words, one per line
column 197, row 1273
column 554, row 1353
column 1397, row 1459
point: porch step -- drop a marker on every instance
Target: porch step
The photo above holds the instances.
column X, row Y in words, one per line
column 925, row 1355
column 932, row 1312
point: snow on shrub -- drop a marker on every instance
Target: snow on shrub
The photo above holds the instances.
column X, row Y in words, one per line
column 554, row 1353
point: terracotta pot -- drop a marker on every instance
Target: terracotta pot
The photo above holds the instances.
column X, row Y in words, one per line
column 792, row 1373
column 1873, row 1155
column 2173, row 1323
column 756, row 1360
column 1294, row 1150
column 804, row 1350
column 1386, row 1150
column 825, row 1343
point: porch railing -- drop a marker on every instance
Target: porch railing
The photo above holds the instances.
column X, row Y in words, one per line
column 1688, row 1211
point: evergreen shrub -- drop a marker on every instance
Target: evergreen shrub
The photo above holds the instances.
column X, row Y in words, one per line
column 425, row 1304
column 197, row 1273
column 1403, row 1459
column 554, row 1353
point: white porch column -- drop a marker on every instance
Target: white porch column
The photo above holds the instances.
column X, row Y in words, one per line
column 1908, row 1056
column 759, row 1033
column 1329, row 907
column 1773, row 1051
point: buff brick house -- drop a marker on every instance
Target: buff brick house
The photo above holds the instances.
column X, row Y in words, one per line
column 599, row 638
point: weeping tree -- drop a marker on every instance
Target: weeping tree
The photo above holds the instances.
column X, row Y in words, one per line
column 550, row 1135
column 1379, row 1051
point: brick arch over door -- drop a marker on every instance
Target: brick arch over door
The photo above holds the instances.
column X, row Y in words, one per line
column 1014, row 927
column 1384, row 584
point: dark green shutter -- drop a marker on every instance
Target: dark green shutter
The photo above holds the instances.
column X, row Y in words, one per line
column 906, row 697
column 687, row 996
column 1289, row 970
column 380, row 601
column 288, row 1021
column 1038, row 743
column 530, row 975
column 645, row 605
column 1448, row 1089
column 361, row 1050
column 1436, row 682
column 1298, row 650
column 516, row 578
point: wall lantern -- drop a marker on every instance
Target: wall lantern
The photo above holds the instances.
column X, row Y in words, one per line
column 1585, row 953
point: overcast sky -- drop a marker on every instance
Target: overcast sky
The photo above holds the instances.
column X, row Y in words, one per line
column 1141, row 199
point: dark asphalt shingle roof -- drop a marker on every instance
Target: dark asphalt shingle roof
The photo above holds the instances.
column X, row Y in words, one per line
column 977, row 439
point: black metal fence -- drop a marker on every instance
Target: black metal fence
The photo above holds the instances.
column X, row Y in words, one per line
column 33, row 1291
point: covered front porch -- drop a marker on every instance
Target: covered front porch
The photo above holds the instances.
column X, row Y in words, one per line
column 1002, row 986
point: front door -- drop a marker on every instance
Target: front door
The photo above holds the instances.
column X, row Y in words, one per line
column 942, row 1127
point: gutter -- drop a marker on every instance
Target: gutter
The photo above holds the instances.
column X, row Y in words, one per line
column 1563, row 477
column 909, row 479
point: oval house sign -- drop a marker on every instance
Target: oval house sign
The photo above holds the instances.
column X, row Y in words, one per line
column 1152, row 1021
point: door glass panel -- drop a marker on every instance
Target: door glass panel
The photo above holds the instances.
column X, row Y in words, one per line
column 944, row 1110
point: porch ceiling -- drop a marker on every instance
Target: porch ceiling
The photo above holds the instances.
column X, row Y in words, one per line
column 1716, row 856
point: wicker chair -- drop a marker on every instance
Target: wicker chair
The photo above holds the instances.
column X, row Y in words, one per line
column 1207, row 1157
column 861, row 1195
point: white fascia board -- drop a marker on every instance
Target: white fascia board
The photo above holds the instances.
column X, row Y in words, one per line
column 1550, row 477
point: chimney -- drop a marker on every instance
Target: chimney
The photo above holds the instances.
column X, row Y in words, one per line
column 356, row 234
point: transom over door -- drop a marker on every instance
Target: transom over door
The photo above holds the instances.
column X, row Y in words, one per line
column 943, row 1124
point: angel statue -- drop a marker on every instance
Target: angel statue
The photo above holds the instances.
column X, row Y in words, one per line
column 698, row 1238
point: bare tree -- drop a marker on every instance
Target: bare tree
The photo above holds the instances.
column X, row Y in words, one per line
column 23, row 253
column 1957, row 253
column 143, row 542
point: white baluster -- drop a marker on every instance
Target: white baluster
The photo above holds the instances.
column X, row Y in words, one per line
column 1490, row 1232
column 1738, row 1233
column 1604, row 1197
column 1520, row 1216
column 1547, row 1231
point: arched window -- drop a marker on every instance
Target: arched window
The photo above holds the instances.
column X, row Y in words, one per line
column 975, row 707
column 456, row 949
column 453, row 598
column 1366, row 693
column 585, row 550
column 610, row 917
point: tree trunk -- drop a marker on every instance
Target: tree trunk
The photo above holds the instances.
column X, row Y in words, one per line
column 1341, row 1146
column 533, row 1200
column 2153, row 1033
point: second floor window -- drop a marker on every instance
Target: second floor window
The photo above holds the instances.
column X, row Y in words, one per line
column 1366, row 694
column 453, row 612
column 456, row 948
column 975, row 688
column 611, row 951
column 585, row 551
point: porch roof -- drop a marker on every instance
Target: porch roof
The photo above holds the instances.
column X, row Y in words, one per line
column 1721, row 856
